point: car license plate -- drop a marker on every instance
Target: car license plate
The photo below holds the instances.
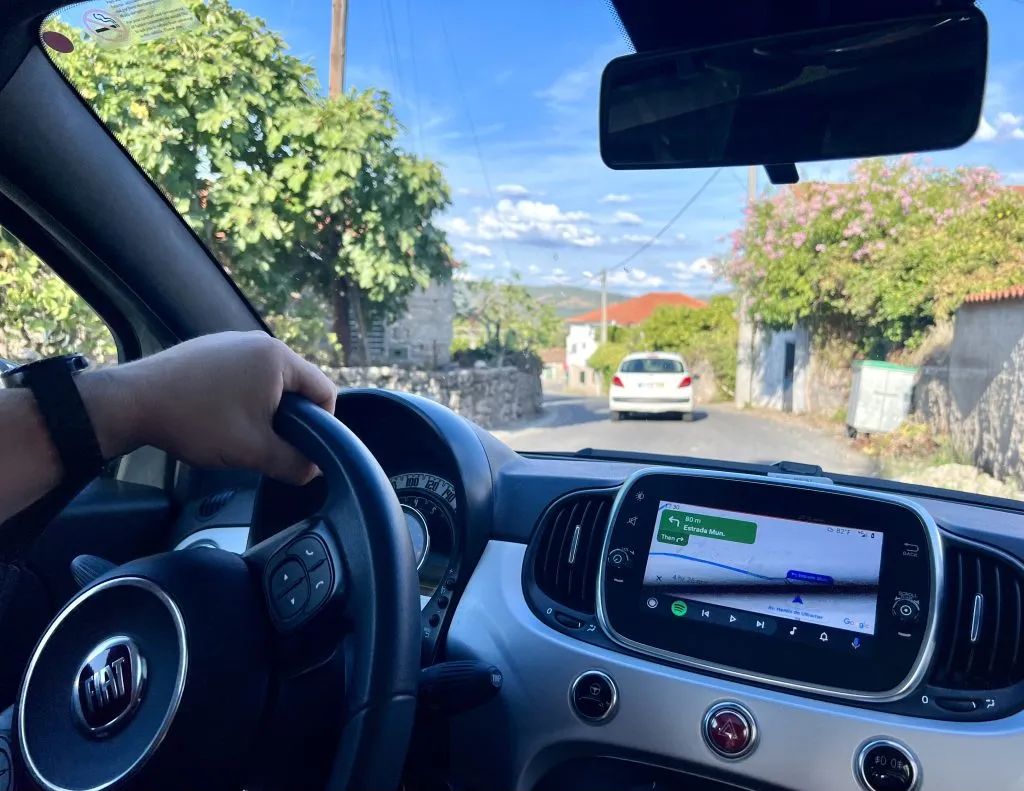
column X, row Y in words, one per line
column 653, row 384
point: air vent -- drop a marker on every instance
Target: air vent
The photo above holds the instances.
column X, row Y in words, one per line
column 210, row 505
column 570, row 539
column 981, row 627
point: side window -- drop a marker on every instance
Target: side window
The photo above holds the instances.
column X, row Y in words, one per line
column 40, row 316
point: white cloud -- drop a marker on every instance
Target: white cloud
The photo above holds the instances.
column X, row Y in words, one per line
column 533, row 269
column 680, row 237
column 613, row 197
column 484, row 267
column 686, row 272
column 1007, row 126
column 481, row 250
column 530, row 222
column 515, row 190
column 557, row 276
column 633, row 279
column 627, row 218
column 638, row 238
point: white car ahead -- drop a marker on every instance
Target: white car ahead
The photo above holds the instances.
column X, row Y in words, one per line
column 651, row 383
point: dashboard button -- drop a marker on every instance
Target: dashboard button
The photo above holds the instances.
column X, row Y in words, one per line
column 958, row 705
column 309, row 550
column 884, row 765
column 620, row 558
column 729, row 730
column 568, row 621
column 285, row 577
column 907, row 610
column 593, row 696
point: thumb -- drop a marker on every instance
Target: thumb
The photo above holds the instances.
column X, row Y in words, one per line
column 283, row 462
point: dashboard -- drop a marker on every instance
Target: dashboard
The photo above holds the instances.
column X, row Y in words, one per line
column 692, row 628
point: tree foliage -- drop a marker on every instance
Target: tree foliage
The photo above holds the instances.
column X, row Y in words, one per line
column 310, row 203
column 880, row 259
column 504, row 316
column 708, row 334
column 39, row 315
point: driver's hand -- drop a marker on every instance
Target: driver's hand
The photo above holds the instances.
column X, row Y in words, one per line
column 211, row 401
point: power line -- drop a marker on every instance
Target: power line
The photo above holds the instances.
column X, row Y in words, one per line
column 469, row 118
column 670, row 223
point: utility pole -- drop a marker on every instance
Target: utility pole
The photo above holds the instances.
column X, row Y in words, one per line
column 339, row 24
column 604, row 306
column 745, row 352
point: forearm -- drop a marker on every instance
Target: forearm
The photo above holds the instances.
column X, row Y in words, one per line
column 29, row 464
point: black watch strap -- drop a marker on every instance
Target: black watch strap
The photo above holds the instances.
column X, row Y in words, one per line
column 52, row 382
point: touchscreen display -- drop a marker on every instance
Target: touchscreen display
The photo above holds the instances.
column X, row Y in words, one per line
column 782, row 568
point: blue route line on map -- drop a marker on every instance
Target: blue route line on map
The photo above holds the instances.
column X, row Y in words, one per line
column 720, row 565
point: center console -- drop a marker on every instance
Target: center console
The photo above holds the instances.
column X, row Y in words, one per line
column 801, row 585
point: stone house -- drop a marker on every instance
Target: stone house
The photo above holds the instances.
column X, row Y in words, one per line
column 584, row 334
column 974, row 388
column 422, row 337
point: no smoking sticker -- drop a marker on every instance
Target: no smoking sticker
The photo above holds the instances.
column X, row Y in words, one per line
column 106, row 28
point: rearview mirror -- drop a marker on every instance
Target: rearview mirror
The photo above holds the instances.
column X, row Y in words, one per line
column 875, row 89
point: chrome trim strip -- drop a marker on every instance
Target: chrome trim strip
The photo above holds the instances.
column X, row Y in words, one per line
column 917, row 671
column 176, row 693
column 861, row 775
column 574, row 545
column 979, row 606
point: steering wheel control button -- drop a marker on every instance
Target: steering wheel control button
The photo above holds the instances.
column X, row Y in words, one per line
column 310, row 551
column 285, row 577
column 729, row 730
column 594, row 697
column 109, row 687
column 319, row 586
column 884, row 765
column 291, row 603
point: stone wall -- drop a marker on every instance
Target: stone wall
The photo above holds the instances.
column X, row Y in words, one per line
column 974, row 389
column 491, row 397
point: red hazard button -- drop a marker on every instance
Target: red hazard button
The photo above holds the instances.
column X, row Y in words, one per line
column 729, row 730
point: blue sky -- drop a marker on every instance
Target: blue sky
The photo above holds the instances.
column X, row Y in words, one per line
column 505, row 96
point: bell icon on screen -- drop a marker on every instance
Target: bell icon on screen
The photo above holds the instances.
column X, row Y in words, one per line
column 824, row 637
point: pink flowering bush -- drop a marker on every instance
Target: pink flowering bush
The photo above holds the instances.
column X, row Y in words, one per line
column 880, row 258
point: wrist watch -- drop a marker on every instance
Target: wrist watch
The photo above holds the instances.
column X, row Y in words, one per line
column 52, row 382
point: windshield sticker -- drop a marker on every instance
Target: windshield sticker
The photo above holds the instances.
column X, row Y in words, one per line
column 57, row 41
column 153, row 19
column 106, row 28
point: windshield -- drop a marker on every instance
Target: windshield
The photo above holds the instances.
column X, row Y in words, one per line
column 414, row 189
column 649, row 366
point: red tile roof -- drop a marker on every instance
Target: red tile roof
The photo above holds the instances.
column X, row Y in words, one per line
column 633, row 311
column 553, row 355
column 1013, row 292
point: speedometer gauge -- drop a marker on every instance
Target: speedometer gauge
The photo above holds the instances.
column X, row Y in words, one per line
column 429, row 503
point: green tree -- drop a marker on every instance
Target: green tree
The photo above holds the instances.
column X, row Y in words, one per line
column 504, row 316
column 879, row 259
column 40, row 316
column 709, row 334
column 304, row 200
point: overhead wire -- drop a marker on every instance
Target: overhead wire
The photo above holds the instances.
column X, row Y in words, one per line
column 469, row 119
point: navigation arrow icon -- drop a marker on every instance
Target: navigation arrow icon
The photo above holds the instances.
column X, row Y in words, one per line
column 797, row 600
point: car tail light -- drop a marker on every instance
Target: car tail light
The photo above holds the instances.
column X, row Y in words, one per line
column 617, row 382
column 687, row 381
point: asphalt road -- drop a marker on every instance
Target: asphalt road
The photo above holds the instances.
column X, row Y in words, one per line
column 719, row 431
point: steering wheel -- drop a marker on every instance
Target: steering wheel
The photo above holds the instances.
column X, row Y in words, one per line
column 294, row 665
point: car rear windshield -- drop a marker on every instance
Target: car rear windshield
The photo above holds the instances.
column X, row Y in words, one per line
column 652, row 366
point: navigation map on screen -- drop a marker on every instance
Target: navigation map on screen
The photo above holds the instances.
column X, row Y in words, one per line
column 693, row 545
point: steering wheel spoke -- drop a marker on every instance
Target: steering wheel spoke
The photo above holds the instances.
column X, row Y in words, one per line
column 294, row 665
